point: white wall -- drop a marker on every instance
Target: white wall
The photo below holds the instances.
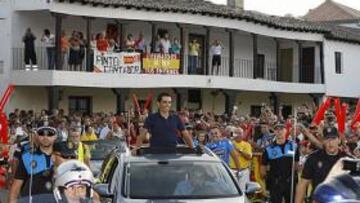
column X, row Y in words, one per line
column 346, row 84
column 28, row 98
column 5, row 38
column 30, row 4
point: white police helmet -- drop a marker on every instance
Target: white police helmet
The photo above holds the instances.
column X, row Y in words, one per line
column 73, row 172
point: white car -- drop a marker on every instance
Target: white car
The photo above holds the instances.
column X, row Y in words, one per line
column 177, row 175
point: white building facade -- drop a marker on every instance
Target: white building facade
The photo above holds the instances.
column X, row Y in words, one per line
column 265, row 59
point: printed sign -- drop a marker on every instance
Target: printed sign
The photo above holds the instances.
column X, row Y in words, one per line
column 161, row 63
column 113, row 62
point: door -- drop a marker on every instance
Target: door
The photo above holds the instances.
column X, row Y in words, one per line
column 259, row 72
column 200, row 69
column 255, row 110
column 80, row 104
column 286, row 111
column 286, row 65
column 308, row 65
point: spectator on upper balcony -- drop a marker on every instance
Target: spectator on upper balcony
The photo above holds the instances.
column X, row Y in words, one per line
column 49, row 42
column 130, row 43
column 175, row 46
column 156, row 48
column 64, row 44
column 74, row 53
column 140, row 43
column 92, row 48
column 30, row 55
column 113, row 46
column 215, row 50
column 101, row 43
column 194, row 49
column 165, row 44
column 82, row 47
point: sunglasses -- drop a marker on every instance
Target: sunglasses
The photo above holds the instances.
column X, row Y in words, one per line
column 46, row 133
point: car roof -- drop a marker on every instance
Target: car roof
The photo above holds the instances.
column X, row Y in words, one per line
column 173, row 158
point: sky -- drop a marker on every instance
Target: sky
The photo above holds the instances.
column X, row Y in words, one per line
column 282, row 7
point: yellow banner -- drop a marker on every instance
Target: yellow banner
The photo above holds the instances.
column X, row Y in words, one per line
column 161, row 63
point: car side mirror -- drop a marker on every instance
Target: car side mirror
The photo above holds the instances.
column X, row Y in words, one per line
column 103, row 190
column 252, row 187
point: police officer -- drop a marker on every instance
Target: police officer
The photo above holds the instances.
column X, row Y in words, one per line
column 319, row 163
column 279, row 158
column 35, row 169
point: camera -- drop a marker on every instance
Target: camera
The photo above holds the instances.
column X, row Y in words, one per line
column 352, row 165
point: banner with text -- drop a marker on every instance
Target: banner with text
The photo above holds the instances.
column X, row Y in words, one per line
column 121, row 62
column 161, row 63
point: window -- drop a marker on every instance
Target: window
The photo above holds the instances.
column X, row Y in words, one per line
column 255, row 111
column 194, row 96
column 338, row 63
column 80, row 104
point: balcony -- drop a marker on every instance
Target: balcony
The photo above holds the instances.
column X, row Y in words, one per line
column 243, row 68
column 243, row 76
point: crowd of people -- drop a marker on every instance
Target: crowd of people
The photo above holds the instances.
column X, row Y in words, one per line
column 288, row 147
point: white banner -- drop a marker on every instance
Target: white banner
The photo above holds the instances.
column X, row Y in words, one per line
column 113, row 62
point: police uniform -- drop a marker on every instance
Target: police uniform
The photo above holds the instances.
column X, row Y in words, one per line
column 280, row 159
column 36, row 168
column 40, row 166
column 319, row 163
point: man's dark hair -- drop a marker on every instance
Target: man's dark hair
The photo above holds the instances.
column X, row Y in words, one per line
column 47, row 32
column 161, row 95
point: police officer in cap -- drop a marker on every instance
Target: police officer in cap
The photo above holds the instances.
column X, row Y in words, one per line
column 35, row 170
column 277, row 165
column 319, row 163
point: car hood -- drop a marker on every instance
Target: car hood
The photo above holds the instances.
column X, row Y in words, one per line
column 220, row 200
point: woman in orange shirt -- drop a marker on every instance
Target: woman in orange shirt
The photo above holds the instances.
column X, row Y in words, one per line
column 101, row 43
column 64, row 44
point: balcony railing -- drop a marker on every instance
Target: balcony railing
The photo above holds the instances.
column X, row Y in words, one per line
column 243, row 68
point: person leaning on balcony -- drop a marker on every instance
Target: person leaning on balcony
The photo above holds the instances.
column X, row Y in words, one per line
column 130, row 43
column 64, row 44
column 74, row 53
column 216, row 49
column 165, row 44
column 140, row 43
column 101, row 43
column 175, row 46
column 194, row 49
column 49, row 42
column 30, row 55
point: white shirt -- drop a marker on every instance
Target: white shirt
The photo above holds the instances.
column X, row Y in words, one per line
column 104, row 132
column 165, row 43
column 49, row 41
column 216, row 49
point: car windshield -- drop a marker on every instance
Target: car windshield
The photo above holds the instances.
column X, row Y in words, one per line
column 178, row 180
column 101, row 148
